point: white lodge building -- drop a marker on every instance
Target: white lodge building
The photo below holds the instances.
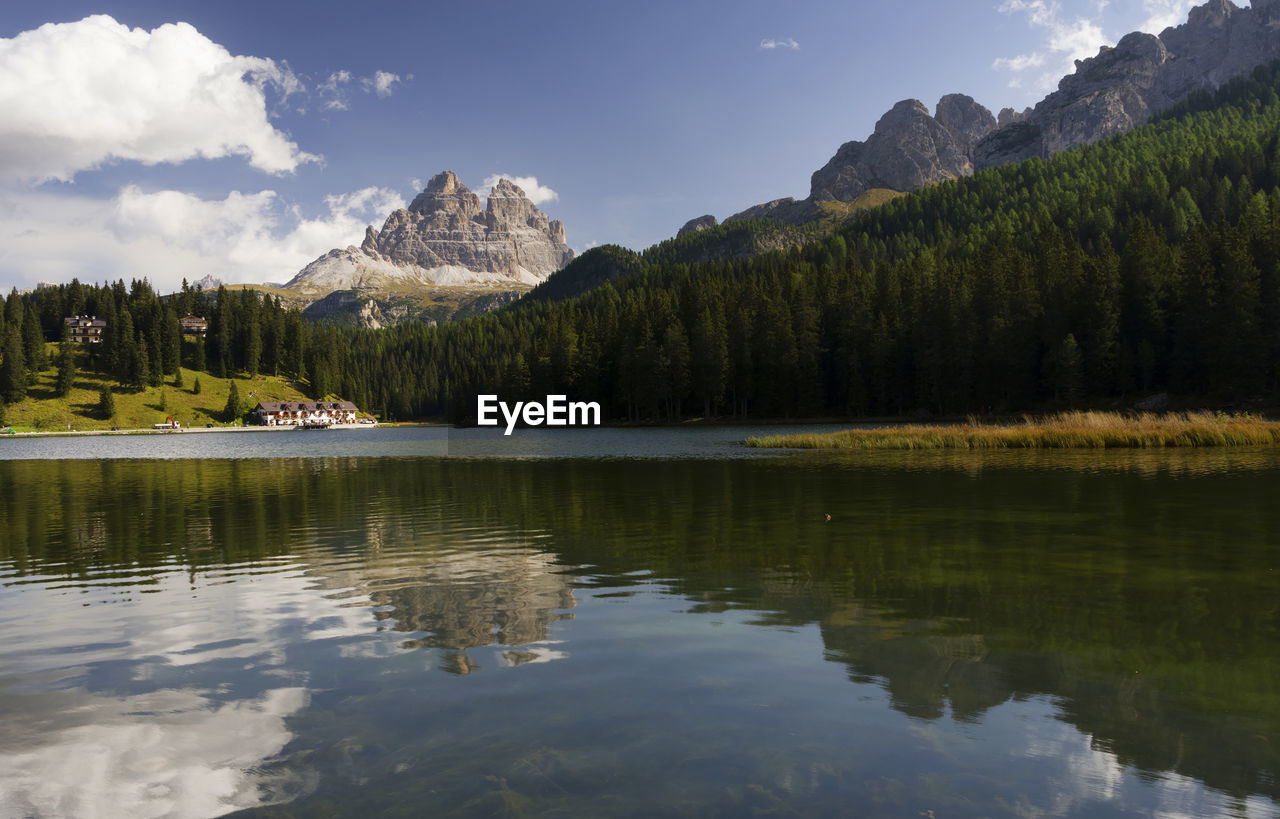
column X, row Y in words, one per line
column 300, row 413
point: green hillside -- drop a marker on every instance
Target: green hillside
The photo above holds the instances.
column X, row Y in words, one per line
column 42, row 409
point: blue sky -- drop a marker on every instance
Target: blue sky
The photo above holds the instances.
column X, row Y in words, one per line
column 171, row 139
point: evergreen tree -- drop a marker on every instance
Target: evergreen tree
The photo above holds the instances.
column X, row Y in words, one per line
column 195, row 387
column 66, row 367
column 13, row 369
column 33, row 341
column 232, row 410
column 106, row 403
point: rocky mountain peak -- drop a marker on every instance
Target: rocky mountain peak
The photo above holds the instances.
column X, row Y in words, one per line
column 445, row 238
column 1122, row 87
column 696, row 225
column 965, row 118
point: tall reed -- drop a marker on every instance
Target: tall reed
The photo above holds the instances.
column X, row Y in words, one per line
column 1065, row 430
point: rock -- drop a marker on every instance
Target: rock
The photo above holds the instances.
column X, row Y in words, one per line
column 699, row 224
column 1119, row 89
column 447, row 238
column 1122, row 87
column 1008, row 116
column 909, row 149
column 787, row 210
column 207, row 283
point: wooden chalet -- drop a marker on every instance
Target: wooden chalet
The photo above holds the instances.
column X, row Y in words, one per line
column 194, row 326
column 85, row 329
column 304, row 413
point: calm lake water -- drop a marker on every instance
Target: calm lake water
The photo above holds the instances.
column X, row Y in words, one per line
column 632, row 623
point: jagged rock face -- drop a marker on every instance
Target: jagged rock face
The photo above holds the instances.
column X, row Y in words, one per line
column 1122, row 87
column 446, row 238
column 909, row 149
column 695, row 225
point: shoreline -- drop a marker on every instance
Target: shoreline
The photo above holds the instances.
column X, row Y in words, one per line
column 1068, row 430
column 77, row 433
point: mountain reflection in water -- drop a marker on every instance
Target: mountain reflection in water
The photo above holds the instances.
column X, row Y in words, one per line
column 1010, row 636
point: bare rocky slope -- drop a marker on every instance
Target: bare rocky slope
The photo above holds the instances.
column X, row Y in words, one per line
column 446, row 239
column 1119, row 89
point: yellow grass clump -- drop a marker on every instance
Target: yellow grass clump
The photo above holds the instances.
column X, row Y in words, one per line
column 1067, row 430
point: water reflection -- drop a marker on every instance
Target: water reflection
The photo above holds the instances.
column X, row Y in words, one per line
column 1017, row 637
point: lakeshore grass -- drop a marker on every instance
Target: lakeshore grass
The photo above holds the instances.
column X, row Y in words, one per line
column 1066, row 430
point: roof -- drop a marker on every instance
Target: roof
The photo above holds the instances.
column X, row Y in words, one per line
column 305, row 406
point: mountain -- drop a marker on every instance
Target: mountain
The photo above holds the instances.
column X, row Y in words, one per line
column 1119, row 89
column 908, row 150
column 445, row 239
column 1122, row 87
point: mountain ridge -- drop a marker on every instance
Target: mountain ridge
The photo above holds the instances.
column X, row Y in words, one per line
column 1120, row 88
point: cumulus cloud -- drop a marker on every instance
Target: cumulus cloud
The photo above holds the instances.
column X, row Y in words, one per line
column 770, row 44
column 1067, row 39
column 381, row 82
column 167, row 235
column 78, row 95
column 529, row 184
column 1162, row 14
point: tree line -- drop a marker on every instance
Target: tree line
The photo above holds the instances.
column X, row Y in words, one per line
column 1148, row 262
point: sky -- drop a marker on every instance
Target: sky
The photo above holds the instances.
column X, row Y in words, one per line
column 168, row 139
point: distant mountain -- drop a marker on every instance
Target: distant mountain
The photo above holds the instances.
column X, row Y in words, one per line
column 1123, row 86
column 1111, row 93
column 908, row 150
column 446, row 239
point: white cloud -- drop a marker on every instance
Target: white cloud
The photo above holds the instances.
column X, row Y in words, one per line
column 78, row 95
column 529, row 184
column 1067, row 39
column 1162, row 14
column 381, row 82
column 167, row 235
column 333, row 94
column 770, row 44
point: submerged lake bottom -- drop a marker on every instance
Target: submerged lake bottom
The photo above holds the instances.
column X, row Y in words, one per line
column 633, row 623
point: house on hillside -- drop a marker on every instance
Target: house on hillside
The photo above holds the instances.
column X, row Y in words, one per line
column 304, row 413
column 85, row 329
column 194, row 326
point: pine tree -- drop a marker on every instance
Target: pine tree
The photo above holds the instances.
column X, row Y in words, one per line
column 66, row 367
column 195, row 388
column 13, row 369
column 106, row 403
column 232, row 410
column 33, row 341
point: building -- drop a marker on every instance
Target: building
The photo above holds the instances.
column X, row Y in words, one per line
column 304, row 413
column 85, row 329
column 194, row 326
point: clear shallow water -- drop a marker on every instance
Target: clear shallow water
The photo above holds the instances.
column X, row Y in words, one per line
column 968, row 635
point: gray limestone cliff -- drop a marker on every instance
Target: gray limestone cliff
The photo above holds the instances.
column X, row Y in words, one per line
column 1119, row 89
column 695, row 225
column 446, row 238
column 908, row 149
column 1122, row 87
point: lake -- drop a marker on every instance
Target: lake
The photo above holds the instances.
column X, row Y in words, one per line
column 632, row 623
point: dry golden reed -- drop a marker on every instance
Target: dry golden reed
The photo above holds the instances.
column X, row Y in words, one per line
column 1066, row 430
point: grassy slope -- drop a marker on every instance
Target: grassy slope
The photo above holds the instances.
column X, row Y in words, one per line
column 43, row 410
column 1068, row 430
